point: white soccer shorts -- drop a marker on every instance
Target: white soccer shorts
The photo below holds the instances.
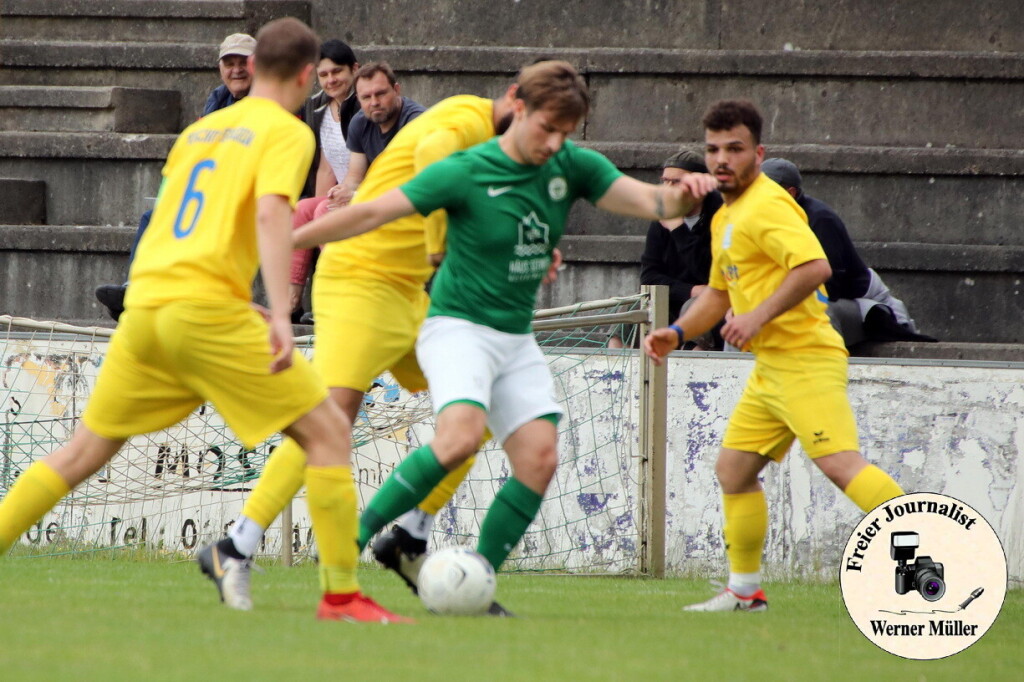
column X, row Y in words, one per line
column 506, row 373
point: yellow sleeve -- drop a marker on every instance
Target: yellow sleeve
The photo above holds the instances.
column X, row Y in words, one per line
column 285, row 163
column 434, row 147
column 786, row 237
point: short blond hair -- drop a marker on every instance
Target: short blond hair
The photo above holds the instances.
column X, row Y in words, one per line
column 555, row 85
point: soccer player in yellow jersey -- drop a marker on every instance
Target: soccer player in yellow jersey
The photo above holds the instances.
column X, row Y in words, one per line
column 369, row 301
column 190, row 334
column 769, row 268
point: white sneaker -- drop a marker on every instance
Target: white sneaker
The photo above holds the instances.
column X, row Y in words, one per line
column 230, row 575
column 727, row 600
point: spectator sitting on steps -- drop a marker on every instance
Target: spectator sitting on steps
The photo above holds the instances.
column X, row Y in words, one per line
column 233, row 61
column 860, row 306
column 677, row 253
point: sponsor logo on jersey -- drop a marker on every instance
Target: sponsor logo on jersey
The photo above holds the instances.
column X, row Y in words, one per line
column 533, row 237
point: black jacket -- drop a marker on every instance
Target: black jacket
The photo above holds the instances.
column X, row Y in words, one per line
column 313, row 113
column 220, row 97
column 680, row 259
column 850, row 277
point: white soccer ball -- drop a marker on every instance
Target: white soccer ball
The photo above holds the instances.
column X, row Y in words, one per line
column 457, row 581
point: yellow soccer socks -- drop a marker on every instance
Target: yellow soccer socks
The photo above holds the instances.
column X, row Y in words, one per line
column 871, row 487
column 280, row 481
column 331, row 497
column 746, row 525
column 34, row 494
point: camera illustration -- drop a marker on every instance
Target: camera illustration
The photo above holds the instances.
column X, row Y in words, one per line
column 923, row 575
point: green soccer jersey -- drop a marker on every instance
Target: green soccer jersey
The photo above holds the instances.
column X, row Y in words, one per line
column 504, row 219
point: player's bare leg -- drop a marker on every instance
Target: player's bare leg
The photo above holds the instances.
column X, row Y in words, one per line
column 324, row 436
column 403, row 548
column 533, row 453
column 48, row 480
column 864, row 483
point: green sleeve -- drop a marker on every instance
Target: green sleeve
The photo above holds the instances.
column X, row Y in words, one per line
column 439, row 185
column 593, row 174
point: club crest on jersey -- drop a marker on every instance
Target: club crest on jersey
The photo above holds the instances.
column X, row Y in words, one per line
column 533, row 237
column 558, row 188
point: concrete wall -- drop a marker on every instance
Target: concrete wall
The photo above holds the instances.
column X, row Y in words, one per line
column 989, row 25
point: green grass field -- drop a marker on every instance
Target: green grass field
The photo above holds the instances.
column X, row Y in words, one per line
column 120, row 619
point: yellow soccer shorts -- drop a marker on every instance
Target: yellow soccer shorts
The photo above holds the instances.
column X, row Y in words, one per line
column 794, row 396
column 164, row 362
column 364, row 327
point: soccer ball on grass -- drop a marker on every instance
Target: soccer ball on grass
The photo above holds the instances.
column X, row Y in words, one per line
column 457, row 581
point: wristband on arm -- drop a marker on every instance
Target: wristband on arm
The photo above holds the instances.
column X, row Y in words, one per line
column 678, row 330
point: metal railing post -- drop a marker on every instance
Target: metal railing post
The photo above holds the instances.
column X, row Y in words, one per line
column 653, row 427
column 286, row 535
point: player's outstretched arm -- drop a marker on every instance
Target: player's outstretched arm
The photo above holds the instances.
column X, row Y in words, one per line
column 273, row 238
column 628, row 196
column 704, row 314
column 353, row 220
column 799, row 283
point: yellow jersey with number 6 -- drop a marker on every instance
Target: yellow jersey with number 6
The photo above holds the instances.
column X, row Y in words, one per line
column 200, row 244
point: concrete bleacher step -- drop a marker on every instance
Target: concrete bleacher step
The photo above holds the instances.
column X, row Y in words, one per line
column 955, row 292
column 92, row 178
column 157, row 21
column 710, row 24
column 49, row 272
column 958, row 195
column 825, row 97
column 953, row 352
column 22, row 201
column 95, row 109
column 902, row 99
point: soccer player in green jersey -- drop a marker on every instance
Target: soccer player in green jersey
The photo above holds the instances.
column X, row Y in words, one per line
column 507, row 202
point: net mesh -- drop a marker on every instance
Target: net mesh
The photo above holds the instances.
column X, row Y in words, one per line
column 171, row 491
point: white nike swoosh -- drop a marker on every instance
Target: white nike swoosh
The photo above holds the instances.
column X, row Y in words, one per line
column 498, row 191
column 404, row 483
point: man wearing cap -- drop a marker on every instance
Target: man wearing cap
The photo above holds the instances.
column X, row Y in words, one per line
column 677, row 252
column 860, row 306
column 234, row 72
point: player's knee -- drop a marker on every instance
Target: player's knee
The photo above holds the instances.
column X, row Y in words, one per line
column 325, row 433
column 547, row 462
column 454, row 446
column 733, row 481
column 538, row 467
column 723, row 473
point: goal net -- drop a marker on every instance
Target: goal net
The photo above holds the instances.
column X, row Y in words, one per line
column 171, row 491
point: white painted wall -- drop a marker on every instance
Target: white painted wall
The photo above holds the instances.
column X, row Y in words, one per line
column 953, row 430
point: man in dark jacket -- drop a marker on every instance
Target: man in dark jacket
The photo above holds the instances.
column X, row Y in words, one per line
column 236, row 79
column 677, row 252
column 860, row 305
